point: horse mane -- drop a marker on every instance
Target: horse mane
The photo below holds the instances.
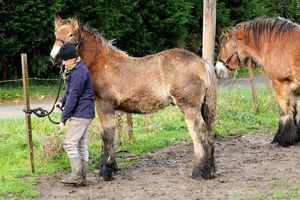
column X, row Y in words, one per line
column 108, row 44
column 272, row 26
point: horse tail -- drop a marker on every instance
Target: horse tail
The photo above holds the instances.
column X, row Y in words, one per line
column 209, row 105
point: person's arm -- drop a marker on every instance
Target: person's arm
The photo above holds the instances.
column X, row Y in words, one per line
column 77, row 82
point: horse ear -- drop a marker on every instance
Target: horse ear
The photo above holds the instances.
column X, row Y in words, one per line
column 225, row 32
column 57, row 21
column 75, row 22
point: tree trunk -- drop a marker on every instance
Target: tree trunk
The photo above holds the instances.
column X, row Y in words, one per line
column 4, row 71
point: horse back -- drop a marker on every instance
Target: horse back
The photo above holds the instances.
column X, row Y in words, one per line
column 282, row 57
column 147, row 84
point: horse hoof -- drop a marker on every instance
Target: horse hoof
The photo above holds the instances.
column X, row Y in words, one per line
column 108, row 178
column 204, row 171
column 285, row 140
column 287, row 134
column 197, row 176
column 100, row 165
column 106, row 173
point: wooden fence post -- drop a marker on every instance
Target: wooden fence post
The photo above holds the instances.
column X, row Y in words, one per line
column 27, row 115
column 268, row 84
column 251, row 76
column 209, row 30
column 130, row 127
column 146, row 122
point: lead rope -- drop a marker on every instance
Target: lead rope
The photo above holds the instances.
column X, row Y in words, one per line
column 40, row 112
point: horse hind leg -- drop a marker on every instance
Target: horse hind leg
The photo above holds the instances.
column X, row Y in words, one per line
column 204, row 163
column 287, row 132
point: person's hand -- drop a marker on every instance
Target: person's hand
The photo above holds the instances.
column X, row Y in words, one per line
column 61, row 126
column 58, row 105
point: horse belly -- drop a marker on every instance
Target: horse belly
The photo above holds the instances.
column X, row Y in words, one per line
column 145, row 103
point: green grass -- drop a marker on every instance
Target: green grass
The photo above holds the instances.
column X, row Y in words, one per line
column 15, row 177
column 244, row 71
column 286, row 189
column 237, row 114
column 37, row 89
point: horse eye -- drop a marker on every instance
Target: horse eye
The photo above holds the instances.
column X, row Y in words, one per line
column 71, row 35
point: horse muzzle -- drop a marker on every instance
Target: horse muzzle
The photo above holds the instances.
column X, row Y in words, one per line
column 55, row 61
column 221, row 70
column 53, row 55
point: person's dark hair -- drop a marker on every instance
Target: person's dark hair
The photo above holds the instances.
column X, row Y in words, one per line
column 67, row 51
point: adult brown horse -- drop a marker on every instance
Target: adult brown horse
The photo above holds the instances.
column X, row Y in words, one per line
column 274, row 44
column 145, row 85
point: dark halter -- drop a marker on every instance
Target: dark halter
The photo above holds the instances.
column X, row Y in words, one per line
column 234, row 51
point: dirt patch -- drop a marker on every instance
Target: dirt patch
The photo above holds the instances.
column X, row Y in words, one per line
column 247, row 166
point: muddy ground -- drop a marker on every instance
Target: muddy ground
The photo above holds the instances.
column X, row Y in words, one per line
column 248, row 167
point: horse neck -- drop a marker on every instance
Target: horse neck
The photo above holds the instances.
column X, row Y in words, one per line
column 96, row 52
column 91, row 49
column 255, row 49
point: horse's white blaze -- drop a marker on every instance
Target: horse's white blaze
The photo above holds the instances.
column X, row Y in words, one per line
column 221, row 70
column 54, row 51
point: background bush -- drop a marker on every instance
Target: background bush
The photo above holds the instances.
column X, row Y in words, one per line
column 140, row 27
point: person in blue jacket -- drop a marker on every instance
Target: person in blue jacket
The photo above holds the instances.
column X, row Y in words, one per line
column 78, row 104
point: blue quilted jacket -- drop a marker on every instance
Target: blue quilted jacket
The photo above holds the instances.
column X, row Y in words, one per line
column 79, row 99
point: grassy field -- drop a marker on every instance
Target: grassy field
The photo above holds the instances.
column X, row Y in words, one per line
column 37, row 89
column 237, row 114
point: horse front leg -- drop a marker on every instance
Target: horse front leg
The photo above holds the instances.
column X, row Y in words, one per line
column 108, row 163
column 287, row 133
column 108, row 157
column 204, row 163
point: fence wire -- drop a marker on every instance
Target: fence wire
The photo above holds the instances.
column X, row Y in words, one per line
column 38, row 79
